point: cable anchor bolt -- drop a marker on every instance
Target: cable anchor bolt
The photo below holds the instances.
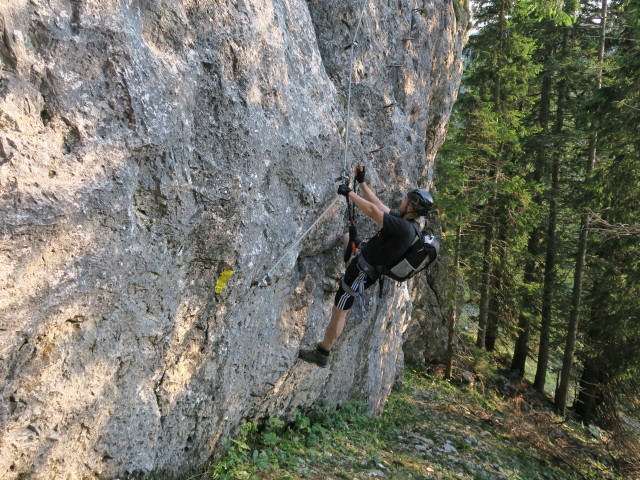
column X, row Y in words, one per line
column 353, row 44
column 266, row 281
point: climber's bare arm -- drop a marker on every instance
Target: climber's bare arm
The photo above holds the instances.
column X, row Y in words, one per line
column 367, row 194
column 370, row 209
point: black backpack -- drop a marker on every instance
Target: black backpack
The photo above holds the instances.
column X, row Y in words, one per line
column 423, row 251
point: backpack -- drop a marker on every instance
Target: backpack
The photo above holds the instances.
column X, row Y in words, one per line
column 423, row 251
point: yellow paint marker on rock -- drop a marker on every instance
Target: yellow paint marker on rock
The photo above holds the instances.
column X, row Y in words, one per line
column 222, row 281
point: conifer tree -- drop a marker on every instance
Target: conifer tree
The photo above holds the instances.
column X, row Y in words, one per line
column 547, row 118
column 611, row 360
column 576, row 298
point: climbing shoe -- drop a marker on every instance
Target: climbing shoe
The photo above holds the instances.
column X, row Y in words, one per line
column 316, row 355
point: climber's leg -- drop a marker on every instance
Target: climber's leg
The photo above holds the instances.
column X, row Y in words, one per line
column 335, row 327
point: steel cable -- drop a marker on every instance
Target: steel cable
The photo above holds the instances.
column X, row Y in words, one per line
column 266, row 280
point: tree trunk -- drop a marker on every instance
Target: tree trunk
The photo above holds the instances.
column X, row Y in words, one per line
column 590, row 391
column 589, row 395
column 549, row 281
column 485, row 287
column 494, row 313
column 597, row 339
column 497, row 80
column 487, row 260
column 521, row 349
column 453, row 319
column 572, row 329
column 550, row 256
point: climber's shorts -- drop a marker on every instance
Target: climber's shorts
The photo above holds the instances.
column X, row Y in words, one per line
column 355, row 281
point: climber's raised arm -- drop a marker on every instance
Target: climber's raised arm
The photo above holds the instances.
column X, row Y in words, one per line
column 370, row 209
column 367, row 193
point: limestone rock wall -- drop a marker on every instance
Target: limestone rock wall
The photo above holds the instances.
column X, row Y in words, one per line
column 148, row 146
column 425, row 338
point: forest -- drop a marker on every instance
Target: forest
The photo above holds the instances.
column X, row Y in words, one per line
column 538, row 186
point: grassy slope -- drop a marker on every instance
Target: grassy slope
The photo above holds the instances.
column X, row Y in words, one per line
column 430, row 429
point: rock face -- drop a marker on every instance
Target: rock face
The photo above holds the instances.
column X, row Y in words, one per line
column 425, row 338
column 148, row 147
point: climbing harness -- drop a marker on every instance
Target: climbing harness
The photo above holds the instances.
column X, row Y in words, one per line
column 353, row 253
column 267, row 279
column 356, row 290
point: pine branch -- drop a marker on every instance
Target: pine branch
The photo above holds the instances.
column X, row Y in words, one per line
column 600, row 226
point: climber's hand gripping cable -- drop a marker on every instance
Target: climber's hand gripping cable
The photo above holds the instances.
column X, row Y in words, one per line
column 369, row 204
column 344, row 190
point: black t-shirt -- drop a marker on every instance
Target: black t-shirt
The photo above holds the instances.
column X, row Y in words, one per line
column 393, row 240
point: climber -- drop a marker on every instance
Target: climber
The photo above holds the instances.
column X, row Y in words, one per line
column 390, row 243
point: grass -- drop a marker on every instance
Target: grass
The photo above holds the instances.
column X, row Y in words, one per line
column 430, row 428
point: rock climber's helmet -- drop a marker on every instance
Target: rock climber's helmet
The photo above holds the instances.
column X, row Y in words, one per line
column 421, row 201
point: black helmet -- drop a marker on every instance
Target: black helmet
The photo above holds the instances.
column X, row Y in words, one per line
column 421, row 200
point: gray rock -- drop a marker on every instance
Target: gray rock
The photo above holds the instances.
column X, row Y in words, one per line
column 148, row 147
column 448, row 448
column 468, row 377
column 421, row 439
column 425, row 339
column 471, row 440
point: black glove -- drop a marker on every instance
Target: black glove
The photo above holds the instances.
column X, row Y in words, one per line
column 360, row 174
column 344, row 190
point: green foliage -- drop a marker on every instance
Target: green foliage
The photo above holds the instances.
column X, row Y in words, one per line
column 558, row 11
column 536, row 93
column 238, row 455
column 277, row 444
column 491, row 439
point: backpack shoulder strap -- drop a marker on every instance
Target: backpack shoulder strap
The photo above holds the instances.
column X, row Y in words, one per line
column 416, row 227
